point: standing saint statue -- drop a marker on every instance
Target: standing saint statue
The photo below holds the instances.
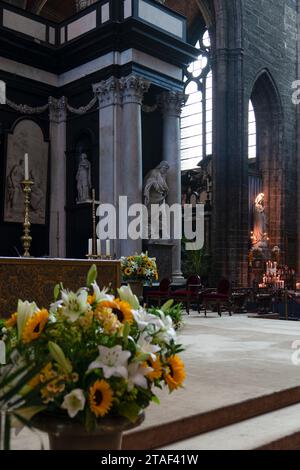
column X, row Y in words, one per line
column 156, row 191
column 84, row 180
column 260, row 240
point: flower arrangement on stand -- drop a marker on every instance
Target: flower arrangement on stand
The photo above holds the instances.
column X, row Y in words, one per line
column 89, row 357
column 139, row 268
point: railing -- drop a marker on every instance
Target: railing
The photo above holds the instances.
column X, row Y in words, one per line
column 91, row 18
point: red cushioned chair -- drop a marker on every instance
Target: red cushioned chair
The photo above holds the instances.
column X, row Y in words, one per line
column 190, row 294
column 220, row 298
column 162, row 294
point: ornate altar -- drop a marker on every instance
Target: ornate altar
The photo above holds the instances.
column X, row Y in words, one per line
column 34, row 279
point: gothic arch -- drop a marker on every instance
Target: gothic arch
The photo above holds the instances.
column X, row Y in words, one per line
column 269, row 118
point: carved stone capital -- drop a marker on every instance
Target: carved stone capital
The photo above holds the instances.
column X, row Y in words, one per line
column 172, row 102
column 108, row 92
column 133, row 89
column 58, row 109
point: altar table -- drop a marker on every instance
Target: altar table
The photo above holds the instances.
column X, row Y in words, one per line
column 34, row 279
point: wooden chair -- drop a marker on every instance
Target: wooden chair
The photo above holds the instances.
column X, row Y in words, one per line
column 162, row 294
column 190, row 294
column 220, row 298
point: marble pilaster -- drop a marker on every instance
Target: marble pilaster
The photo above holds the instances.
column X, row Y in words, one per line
column 58, row 139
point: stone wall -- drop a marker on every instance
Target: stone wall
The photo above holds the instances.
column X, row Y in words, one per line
column 270, row 44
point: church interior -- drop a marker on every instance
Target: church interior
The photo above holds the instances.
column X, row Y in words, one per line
column 174, row 104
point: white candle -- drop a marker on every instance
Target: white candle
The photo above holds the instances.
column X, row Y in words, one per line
column 26, row 167
column 99, row 247
column 90, row 247
column 107, row 247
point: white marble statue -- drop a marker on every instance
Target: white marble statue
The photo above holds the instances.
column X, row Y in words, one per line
column 84, row 180
column 260, row 241
column 155, row 185
column 156, row 191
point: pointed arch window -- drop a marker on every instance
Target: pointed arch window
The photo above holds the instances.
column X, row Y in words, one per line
column 252, row 145
column 196, row 120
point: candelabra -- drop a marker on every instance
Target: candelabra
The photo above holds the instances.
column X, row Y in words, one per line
column 26, row 238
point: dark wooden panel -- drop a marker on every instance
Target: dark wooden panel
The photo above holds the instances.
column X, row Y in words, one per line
column 34, row 279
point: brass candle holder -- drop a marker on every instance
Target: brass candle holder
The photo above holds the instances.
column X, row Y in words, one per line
column 26, row 238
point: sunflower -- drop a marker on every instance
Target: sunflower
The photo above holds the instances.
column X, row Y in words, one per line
column 35, row 326
column 149, row 264
column 175, row 375
column 12, row 321
column 128, row 272
column 101, row 398
column 140, row 271
column 157, row 368
column 121, row 309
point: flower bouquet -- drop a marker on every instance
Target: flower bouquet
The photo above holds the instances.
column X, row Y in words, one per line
column 139, row 268
column 89, row 357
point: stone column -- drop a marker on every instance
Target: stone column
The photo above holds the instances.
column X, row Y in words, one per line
column 133, row 89
column 110, row 119
column 171, row 104
column 58, row 139
column 230, row 230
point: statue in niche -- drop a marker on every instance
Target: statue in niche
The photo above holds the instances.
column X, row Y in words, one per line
column 155, row 192
column 84, row 180
column 260, row 239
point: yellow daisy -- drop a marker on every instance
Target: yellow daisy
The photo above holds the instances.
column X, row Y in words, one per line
column 175, row 374
column 35, row 326
column 121, row 309
column 157, row 368
column 101, row 398
column 12, row 321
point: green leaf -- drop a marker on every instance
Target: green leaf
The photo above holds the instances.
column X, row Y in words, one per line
column 56, row 292
column 126, row 332
column 92, row 275
column 167, row 305
column 130, row 411
column 156, row 400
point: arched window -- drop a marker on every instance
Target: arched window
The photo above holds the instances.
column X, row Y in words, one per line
column 251, row 132
column 196, row 121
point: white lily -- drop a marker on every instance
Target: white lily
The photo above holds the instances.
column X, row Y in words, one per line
column 137, row 375
column 25, row 311
column 145, row 346
column 113, row 362
column 74, row 304
column 101, row 295
column 126, row 294
column 74, row 402
column 144, row 319
column 167, row 332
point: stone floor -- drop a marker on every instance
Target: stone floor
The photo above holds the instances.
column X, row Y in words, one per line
column 228, row 360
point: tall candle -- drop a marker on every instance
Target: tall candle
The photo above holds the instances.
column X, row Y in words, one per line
column 90, row 247
column 26, row 167
column 107, row 247
column 99, row 247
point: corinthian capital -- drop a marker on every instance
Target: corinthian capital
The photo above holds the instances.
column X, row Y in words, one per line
column 108, row 92
column 172, row 102
column 133, row 89
column 58, row 109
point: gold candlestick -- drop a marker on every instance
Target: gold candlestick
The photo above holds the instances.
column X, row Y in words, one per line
column 27, row 239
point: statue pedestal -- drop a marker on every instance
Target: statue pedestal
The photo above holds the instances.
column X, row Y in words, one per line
column 163, row 252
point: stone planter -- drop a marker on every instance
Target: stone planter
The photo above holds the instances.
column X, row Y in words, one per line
column 67, row 434
column 137, row 288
